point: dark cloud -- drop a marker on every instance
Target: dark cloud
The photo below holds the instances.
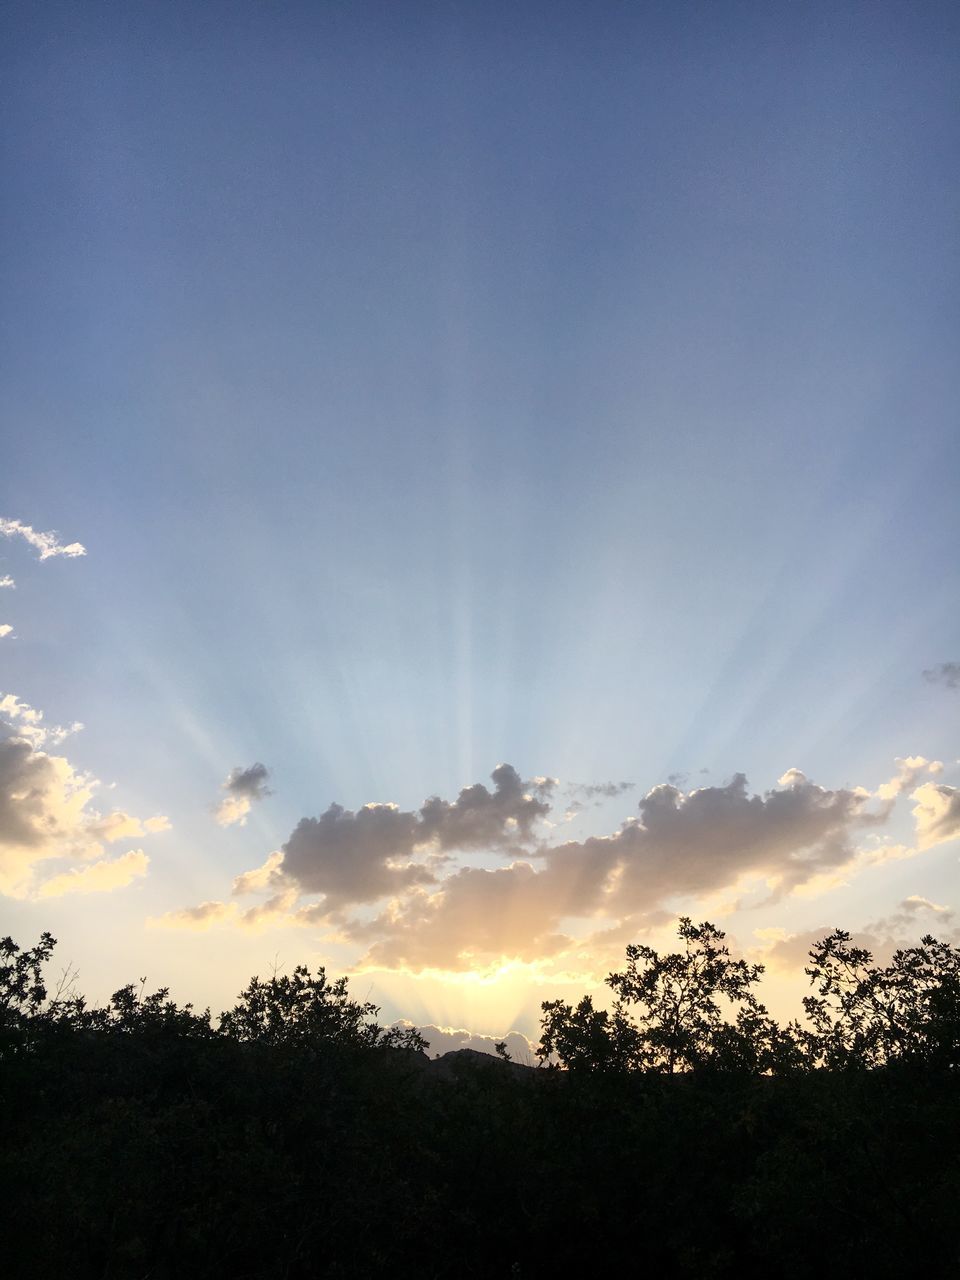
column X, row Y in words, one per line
column 352, row 857
column 27, row 778
column 251, row 782
column 481, row 819
column 243, row 787
column 703, row 840
column 947, row 673
column 359, row 856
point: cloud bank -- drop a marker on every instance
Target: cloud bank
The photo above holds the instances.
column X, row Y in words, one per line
column 421, row 889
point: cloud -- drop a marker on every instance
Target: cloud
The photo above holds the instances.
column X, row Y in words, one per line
column 477, row 917
column 912, row 918
column 98, row 877
column 597, row 791
column 403, row 884
column 5, row 629
column 46, row 815
column 243, row 787
column 378, row 851
column 267, row 876
column 915, row 903
column 937, row 813
column 909, row 769
column 276, row 909
column 46, row 543
column 704, row 840
column 27, row 722
column 354, row 857
column 443, row 1040
column 7, row 581
column 683, row 845
column 200, row 917
column 947, row 673
column 121, row 826
column 480, row 819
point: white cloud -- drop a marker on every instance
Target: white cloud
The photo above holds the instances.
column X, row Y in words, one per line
column 46, row 543
column 7, row 581
column 909, row 769
column 118, row 825
column 269, row 875
column 5, row 629
column 47, row 814
column 937, row 813
column 26, row 722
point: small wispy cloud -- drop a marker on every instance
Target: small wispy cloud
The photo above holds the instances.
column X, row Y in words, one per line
column 48, row 544
column 947, row 673
column 5, row 629
column 26, row 722
column 7, row 581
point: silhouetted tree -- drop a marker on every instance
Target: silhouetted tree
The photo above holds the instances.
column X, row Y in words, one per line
column 22, row 988
column 668, row 1017
column 868, row 1016
column 306, row 1010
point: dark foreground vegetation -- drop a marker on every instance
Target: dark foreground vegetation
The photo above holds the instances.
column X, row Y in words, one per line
column 682, row 1133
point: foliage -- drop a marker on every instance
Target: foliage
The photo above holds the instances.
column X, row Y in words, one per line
column 291, row 1141
column 22, row 989
column 906, row 1012
column 668, row 1015
column 305, row 1010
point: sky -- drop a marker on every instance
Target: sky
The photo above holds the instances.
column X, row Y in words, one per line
column 477, row 483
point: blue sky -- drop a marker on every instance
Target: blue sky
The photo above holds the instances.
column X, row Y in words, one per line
column 433, row 386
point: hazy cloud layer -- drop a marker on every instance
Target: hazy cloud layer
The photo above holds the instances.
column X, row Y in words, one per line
column 243, row 787
column 947, row 673
column 511, row 913
column 48, row 544
column 97, row 877
column 201, row 916
column 912, row 917
column 443, row 1040
column 47, row 816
